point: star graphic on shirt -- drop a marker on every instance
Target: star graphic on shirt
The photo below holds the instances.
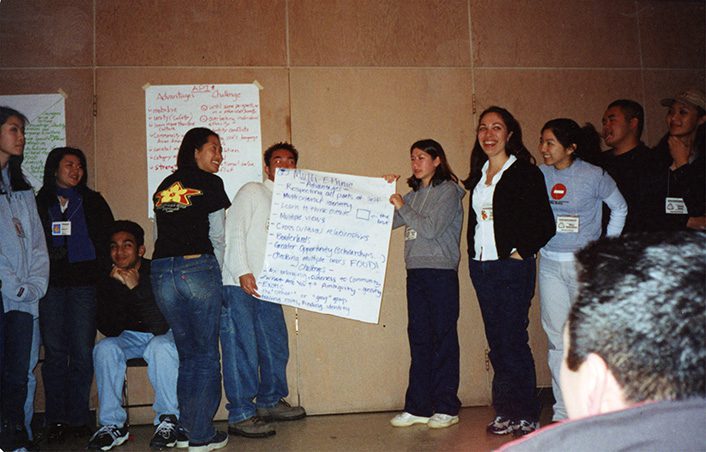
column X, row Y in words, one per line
column 176, row 194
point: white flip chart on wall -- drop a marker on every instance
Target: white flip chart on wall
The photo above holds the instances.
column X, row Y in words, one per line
column 45, row 131
column 327, row 243
column 232, row 111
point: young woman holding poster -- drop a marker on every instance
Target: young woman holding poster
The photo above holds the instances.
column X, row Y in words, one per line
column 189, row 208
column 432, row 214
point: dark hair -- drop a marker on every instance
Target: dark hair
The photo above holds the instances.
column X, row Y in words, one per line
column 17, row 179
column 586, row 139
column 442, row 172
column 282, row 145
column 193, row 140
column 131, row 228
column 631, row 109
column 514, row 146
column 641, row 309
column 51, row 166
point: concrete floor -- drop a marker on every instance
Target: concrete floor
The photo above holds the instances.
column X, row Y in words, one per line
column 349, row 432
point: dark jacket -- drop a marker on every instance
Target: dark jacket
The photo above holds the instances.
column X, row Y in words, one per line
column 99, row 219
column 522, row 216
column 120, row 308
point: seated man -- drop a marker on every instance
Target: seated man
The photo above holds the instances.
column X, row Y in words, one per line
column 634, row 371
column 134, row 328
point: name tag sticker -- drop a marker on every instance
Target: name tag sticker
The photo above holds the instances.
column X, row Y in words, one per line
column 567, row 224
column 59, row 228
column 675, row 206
column 486, row 213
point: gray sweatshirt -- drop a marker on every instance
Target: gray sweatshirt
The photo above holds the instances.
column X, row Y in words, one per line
column 433, row 217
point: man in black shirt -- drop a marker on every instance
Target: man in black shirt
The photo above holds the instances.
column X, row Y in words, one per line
column 134, row 328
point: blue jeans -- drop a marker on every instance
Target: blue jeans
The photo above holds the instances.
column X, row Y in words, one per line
column 17, row 338
column 558, row 288
column 67, row 319
column 255, row 353
column 504, row 289
column 110, row 357
column 432, row 311
column 188, row 292
column 31, row 379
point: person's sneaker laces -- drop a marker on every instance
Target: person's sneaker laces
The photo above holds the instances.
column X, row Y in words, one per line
column 165, row 435
column 253, row 427
column 405, row 419
column 441, row 420
column 219, row 441
column 523, row 427
column 107, row 437
column 500, row 426
column 283, row 411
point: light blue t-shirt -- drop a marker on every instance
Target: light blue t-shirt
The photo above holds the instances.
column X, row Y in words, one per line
column 577, row 191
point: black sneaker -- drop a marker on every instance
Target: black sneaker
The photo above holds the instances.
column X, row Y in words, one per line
column 56, row 433
column 107, row 437
column 523, row 427
column 253, row 427
column 219, row 441
column 500, row 426
column 182, row 438
column 165, row 435
column 281, row 412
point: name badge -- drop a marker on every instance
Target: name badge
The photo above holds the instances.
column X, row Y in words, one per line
column 486, row 213
column 675, row 206
column 18, row 228
column 59, row 228
column 410, row 234
column 567, row 224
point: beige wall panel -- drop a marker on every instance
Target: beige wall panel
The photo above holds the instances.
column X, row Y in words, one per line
column 673, row 34
column 379, row 33
column 554, row 33
column 184, row 32
column 536, row 96
column 660, row 84
column 36, row 33
column 78, row 86
column 121, row 126
column 362, row 121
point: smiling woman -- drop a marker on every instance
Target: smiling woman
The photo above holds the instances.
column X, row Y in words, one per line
column 76, row 222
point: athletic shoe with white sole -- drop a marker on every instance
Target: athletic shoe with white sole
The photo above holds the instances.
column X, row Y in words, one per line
column 107, row 437
column 406, row 419
column 441, row 420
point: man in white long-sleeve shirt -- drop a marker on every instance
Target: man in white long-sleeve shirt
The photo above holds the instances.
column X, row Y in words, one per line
column 253, row 332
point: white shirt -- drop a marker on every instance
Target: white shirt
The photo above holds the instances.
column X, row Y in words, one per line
column 247, row 222
column 482, row 202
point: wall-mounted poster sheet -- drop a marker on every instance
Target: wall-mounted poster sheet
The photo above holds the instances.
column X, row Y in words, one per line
column 46, row 129
column 232, row 111
column 327, row 243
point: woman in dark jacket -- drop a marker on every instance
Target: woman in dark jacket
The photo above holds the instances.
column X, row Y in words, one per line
column 76, row 222
column 509, row 221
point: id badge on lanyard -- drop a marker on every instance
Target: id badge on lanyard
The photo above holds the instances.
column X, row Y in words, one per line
column 486, row 213
column 60, row 228
column 410, row 234
column 675, row 206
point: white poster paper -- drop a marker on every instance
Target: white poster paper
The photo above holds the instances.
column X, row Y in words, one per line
column 327, row 243
column 46, row 129
column 232, row 111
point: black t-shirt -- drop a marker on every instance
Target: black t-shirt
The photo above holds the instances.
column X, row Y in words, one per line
column 182, row 204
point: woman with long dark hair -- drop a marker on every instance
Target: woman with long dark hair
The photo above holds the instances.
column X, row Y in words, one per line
column 189, row 208
column 509, row 221
column 24, row 273
column 76, row 224
column 432, row 214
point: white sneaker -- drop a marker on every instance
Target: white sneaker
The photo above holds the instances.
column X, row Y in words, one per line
column 441, row 420
column 406, row 419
